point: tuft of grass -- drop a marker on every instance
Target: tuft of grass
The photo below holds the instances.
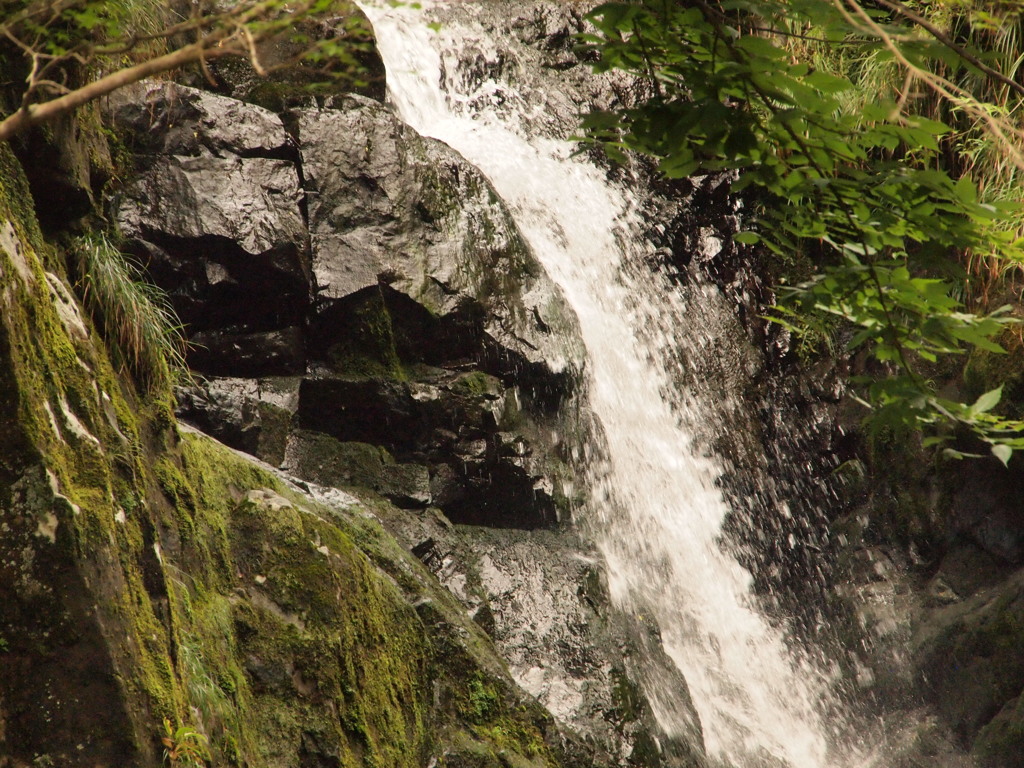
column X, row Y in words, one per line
column 138, row 323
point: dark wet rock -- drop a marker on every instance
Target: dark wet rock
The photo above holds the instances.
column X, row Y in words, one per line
column 967, row 568
column 484, row 491
column 267, row 353
column 375, row 411
column 321, row 459
column 224, row 237
column 409, row 418
column 66, row 162
column 453, row 424
column 387, row 206
column 986, row 508
column 1000, row 744
column 214, row 212
column 251, row 415
column 381, row 326
column 972, row 669
column 253, row 202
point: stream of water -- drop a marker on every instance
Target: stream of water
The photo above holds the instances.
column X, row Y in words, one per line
column 656, row 512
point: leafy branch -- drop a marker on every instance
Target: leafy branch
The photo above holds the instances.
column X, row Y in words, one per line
column 739, row 85
column 116, row 44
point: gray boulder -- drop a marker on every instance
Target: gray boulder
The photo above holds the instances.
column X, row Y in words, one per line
column 167, row 118
column 214, row 216
column 389, row 206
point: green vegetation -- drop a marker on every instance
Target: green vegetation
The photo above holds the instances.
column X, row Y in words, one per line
column 184, row 746
column 76, row 51
column 138, row 322
column 366, row 344
column 855, row 131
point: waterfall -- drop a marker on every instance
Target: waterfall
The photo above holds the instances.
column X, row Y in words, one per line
column 656, row 514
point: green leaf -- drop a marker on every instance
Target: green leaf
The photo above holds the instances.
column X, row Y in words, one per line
column 987, row 401
column 746, row 238
column 1002, row 452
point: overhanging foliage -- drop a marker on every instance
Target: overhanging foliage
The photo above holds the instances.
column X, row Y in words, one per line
column 870, row 182
column 79, row 50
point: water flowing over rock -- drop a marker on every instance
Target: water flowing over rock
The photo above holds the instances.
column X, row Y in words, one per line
column 435, row 363
column 654, row 510
column 528, row 480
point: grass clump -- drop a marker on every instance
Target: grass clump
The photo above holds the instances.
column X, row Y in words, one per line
column 138, row 323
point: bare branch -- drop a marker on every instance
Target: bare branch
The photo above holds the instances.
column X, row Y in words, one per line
column 37, row 113
column 254, row 58
column 946, row 40
column 52, row 85
column 236, row 31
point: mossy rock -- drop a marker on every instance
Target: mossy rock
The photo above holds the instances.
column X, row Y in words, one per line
column 163, row 577
column 363, row 338
column 1000, row 744
column 971, row 662
column 72, row 446
column 477, row 384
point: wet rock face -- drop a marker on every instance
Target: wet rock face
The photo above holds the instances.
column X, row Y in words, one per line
column 375, row 266
column 214, row 215
column 430, row 361
column 543, row 601
column 388, row 207
column 168, row 119
column 970, row 661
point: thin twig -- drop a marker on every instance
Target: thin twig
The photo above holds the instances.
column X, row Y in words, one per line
column 946, row 40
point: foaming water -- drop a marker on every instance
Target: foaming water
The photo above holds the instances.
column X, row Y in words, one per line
column 656, row 514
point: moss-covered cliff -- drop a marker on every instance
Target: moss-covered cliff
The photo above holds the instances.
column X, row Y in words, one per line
column 149, row 575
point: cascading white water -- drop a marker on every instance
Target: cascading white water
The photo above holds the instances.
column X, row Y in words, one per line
column 655, row 512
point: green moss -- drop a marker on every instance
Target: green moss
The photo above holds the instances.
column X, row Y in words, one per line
column 438, row 199
column 627, row 698
column 367, row 345
column 16, row 202
column 477, row 384
column 1000, row 744
column 302, row 599
column 486, row 703
column 341, row 631
column 646, row 752
column 483, row 700
column 177, row 489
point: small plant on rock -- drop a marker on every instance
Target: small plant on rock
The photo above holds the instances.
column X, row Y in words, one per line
column 140, row 326
column 184, row 746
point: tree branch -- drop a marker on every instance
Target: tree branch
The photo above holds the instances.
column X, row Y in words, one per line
column 946, row 40
column 37, row 113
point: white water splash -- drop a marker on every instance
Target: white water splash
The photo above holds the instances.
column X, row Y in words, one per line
column 656, row 511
